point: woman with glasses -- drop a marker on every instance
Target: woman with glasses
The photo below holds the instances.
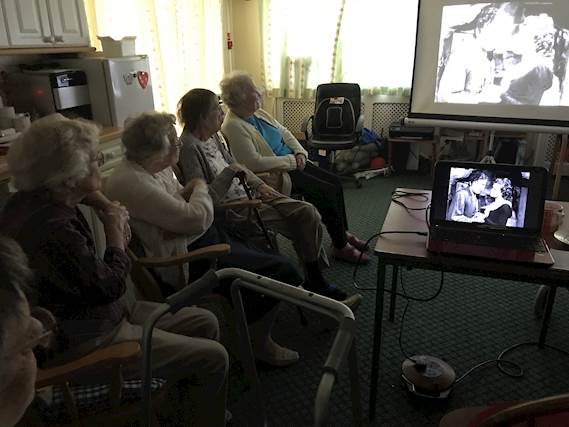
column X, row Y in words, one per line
column 171, row 219
column 262, row 144
column 55, row 167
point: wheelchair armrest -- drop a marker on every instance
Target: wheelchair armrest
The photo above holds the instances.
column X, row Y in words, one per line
column 208, row 252
column 113, row 354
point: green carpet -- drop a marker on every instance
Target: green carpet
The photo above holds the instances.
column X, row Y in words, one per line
column 472, row 320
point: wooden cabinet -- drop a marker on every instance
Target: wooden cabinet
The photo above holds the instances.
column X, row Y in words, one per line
column 46, row 23
column 3, row 33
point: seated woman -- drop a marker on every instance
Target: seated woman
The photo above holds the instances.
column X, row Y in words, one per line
column 19, row 334
column 261, row 143
column 203, row 156
column 170, row 219
column 55, row 167
column 500, row 210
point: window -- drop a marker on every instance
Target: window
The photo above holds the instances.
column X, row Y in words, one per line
column 370, row 42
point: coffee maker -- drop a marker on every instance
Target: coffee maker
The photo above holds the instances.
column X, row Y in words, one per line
column 46, row 91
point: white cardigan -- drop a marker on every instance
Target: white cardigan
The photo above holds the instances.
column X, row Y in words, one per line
column 250, row 148
column 157, row 210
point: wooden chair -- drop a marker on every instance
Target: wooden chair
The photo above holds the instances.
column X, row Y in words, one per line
column 116, row 402
column 550, row 411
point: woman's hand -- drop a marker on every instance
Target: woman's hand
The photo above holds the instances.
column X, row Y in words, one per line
column 300, row 161
column 266, row 192
column 115, row 221
column 191, row 186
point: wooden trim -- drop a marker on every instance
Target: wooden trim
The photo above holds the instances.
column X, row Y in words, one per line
column 109, row 134
column 46, row 50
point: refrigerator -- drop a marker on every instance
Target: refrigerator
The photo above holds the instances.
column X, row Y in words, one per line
column 118, row 87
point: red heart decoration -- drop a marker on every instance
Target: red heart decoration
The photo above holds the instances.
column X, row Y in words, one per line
column 142, row 77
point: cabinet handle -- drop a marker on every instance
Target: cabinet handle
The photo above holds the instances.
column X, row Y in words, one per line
column 48, row 39
column 59, row 38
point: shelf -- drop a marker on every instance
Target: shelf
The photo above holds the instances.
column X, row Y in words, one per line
column 46, row 50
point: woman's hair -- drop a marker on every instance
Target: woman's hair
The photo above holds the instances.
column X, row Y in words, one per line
column 15, row 277
column 194, row 105
column 54, row 153
column 505, row 188
column 145, row 135
column 475, row 175
column 233, row 87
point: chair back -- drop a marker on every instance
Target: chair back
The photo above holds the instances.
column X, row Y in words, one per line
column 337, row 111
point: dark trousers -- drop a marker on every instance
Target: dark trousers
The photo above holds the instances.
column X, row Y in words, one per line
column 324, row 190
column 246, row 256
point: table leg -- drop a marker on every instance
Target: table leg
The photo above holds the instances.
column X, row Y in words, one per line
column 377, row 330
column 547, row 315
column 393, row 297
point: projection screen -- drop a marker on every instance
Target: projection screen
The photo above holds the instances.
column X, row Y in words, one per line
column 500, row 63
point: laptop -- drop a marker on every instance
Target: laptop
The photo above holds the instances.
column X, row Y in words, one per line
column 490, row 211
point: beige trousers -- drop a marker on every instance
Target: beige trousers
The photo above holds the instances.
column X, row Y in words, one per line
column 299, row 222
column 184, row 351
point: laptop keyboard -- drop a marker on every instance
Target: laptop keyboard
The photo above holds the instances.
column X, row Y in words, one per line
column 481, row 239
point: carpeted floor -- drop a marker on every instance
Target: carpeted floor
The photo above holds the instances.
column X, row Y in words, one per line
column 472, row 320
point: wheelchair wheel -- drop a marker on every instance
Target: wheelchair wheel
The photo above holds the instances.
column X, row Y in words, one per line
column 540, row 300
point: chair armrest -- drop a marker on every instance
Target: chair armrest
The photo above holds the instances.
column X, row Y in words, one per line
column 111, row 355
column 528, row 410
column 208, row 252
column 240, row 203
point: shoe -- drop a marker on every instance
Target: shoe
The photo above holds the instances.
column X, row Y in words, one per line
column 350, row 254
column 359, row 244
column 276, row 355
column 353, row 301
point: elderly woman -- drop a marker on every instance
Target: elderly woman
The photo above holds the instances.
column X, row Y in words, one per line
column 19, row 334
column 261, row 143
column 203, row 156
column 170, row 219
column 55, row 167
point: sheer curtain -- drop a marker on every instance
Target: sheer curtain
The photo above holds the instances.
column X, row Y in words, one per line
column 182, row 38
column 370, row 42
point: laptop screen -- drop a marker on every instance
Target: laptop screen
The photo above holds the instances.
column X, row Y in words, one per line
column 484, row 196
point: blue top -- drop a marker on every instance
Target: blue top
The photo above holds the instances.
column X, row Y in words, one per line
column 271, row 134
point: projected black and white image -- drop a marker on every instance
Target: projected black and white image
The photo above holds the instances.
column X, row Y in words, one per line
column 477, row 195
column 512, row 53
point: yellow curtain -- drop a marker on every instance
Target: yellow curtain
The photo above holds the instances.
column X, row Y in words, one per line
column 182, row 38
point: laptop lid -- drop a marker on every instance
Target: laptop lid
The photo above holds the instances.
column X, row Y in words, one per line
column 494, row 198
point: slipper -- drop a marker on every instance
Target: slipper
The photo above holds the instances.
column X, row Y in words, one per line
column 359, row 244
column 350, row 254
column 329, row 291
column 276, row 355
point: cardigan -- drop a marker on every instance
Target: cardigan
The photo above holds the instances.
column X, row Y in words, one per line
column 164, row 222
column 194, row 164
column 83, row 291
column 250, row 148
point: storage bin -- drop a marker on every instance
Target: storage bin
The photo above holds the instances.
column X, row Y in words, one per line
column 114, row 48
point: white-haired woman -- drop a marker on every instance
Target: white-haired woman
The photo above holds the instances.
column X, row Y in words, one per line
column 55, row 167
column 261, row 143
column 170, row 219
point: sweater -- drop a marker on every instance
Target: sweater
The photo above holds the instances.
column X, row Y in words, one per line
column 164, row 222
column 250, row 148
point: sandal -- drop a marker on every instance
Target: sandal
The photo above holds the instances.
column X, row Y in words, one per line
column 350, row 254
column 276, row 355
column 359, row 244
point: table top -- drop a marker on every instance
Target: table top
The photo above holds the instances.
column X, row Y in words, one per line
column 411, row 249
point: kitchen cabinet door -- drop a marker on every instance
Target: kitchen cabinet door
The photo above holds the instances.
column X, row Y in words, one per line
column 69, row 22
column 27, row 23
column 3, row 32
